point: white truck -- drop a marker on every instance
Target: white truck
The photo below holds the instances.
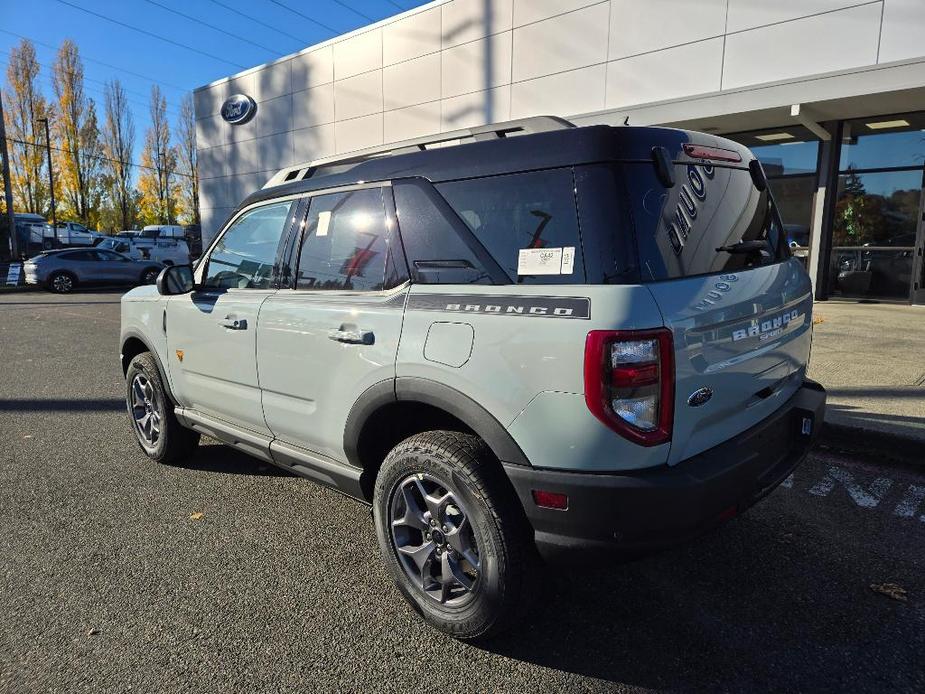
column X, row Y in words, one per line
column 76, row 234
column 165, row 249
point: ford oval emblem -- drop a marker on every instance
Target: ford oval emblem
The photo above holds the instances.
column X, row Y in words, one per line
column 699, row 397
column 238, row 109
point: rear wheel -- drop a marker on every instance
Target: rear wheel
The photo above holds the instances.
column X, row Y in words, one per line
column 453, row 535
column 62, row 282
column 159, row 434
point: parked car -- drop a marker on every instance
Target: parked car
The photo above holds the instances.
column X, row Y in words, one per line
column 162, row 230
column 76, row 234
column 169, row 251
column 557, row 344
column 62, row 271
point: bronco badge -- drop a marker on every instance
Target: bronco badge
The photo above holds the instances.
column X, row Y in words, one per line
column 699, row 397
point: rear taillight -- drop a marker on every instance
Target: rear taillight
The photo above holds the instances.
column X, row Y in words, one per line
column 629, row 382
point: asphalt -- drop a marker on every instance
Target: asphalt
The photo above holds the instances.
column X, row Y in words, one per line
column 108, row 584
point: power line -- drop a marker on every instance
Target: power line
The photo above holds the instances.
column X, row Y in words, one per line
column 151, row 34
column 257, row 21
column 303, row 16
column 391, row 2
column 91, row 79
column 212, row 26
column 99, row 62
column 354, row 10
column 93, row 156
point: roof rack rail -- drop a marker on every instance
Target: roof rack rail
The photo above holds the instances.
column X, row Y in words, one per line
column 481, row 133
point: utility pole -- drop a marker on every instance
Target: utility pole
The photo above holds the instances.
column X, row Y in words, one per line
column 7, row 186
column 51, row 178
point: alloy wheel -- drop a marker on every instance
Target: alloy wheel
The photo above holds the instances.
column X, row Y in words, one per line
column 433, row 538
column 62, row 283
column 146, row 412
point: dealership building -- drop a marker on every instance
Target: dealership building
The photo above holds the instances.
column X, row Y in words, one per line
column 829, row 94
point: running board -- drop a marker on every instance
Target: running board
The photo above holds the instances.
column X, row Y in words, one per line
column 341, row 477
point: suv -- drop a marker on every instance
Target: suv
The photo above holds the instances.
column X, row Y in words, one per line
column 519, row 341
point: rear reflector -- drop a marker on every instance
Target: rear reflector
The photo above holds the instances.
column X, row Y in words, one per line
column 714, row 153
column 553, row 500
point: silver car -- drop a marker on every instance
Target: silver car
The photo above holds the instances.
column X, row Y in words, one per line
column 62, row 271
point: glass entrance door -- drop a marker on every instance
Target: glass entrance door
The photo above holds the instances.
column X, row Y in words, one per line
column 878, row 212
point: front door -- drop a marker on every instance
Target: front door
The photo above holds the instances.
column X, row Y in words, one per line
column 212, row 332
column 116, row 268
column 334, row 334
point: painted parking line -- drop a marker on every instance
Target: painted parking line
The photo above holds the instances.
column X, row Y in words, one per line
column 899, row 498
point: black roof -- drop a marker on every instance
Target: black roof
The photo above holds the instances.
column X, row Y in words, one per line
column 545, row 150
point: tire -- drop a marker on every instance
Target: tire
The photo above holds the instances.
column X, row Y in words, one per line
column 48, row 244
column 481, row 516
column 149, row 275
column 62, row 282
column 161, row 437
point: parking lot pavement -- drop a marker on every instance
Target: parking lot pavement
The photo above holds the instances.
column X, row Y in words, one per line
column 109, row 583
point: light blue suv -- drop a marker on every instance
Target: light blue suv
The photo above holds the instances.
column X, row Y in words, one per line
column 538, row 342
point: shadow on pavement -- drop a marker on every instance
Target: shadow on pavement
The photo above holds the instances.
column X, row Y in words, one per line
column 215, row 457
column 745, row 609
column 63, row 405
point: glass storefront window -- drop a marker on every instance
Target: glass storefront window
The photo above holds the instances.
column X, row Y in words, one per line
column 883, row 142
column 877, row 209
column 785, row 159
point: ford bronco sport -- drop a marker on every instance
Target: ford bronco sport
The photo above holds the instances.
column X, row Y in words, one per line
column 517, row 341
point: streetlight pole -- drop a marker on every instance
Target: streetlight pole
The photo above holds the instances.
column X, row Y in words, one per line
column 51, row 178
column 7, row 186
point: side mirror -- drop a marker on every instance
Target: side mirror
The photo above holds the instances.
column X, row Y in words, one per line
column 176, row 279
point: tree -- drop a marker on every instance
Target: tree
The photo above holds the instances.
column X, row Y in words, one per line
column 24, row 104
column 159, row 162
column 186, row 149
column 118, row 142
column 77, row 136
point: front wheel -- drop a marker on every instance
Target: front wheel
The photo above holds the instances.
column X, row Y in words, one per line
column 453, row 535
column 159, row 434
column 62, row 283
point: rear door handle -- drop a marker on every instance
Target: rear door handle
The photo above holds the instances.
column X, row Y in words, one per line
column 233, row 323
column 352, row 336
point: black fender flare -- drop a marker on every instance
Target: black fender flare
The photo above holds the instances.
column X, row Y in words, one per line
column 436, row 394
column 134, row 334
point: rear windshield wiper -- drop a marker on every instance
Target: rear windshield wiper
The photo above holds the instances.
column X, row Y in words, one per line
column 745, row 247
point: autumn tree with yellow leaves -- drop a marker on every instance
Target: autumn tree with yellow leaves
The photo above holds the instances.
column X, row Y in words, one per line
column 118, row 140
column 157, row 181
column 24, row 104
column 186, row 156
column 78, row 137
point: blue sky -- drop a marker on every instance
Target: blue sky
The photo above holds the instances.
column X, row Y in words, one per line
column 176, row 69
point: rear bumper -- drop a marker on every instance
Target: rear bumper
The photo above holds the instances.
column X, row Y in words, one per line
column 662, row 506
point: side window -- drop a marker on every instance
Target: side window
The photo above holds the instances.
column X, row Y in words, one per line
column 107, row 255
column 81, row 256
column 245, row 256
column 437, row 254
column 528, row 222
column 345, row 245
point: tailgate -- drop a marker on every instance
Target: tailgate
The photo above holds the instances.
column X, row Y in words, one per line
column 749, row 348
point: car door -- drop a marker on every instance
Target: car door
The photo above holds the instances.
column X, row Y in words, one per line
column 85, row 265
column 211, row 332
column 333, row 333
column 116, row 268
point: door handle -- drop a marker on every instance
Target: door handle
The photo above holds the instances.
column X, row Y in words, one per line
column 352, row 335
column 233, row 323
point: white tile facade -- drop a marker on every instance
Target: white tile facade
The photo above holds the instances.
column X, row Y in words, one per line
column 457, row 63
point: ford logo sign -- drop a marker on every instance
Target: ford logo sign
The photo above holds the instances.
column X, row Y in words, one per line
column 238, row 109
column 700, row 397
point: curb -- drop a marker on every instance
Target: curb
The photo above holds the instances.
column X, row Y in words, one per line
column 877, row 446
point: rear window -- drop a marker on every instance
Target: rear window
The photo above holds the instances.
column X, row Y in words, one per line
column 679, row 228
column 528, row 222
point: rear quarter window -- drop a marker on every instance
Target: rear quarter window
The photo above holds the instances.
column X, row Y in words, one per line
column 533, row 212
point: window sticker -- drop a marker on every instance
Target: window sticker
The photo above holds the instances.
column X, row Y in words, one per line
column 324, row 221
column 568, row 260
column 546, row 261
column 539, row 261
